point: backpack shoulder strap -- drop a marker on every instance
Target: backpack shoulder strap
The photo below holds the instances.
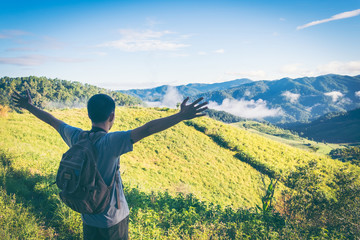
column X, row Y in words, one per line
column 115, row 181
column 92, row 136
column 95, row 134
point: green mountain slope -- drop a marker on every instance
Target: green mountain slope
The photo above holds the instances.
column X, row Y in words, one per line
column 286, row 136
column 56, row 93
column 181, row 159
column 340, row 127
column 216, row 163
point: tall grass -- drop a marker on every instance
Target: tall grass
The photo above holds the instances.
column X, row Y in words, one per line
column 272, row 158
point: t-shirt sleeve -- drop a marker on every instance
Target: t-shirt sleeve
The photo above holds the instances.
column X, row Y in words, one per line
column 120, row 142
column 69, row 134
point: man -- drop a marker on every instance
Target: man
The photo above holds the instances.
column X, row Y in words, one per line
column 113, row 222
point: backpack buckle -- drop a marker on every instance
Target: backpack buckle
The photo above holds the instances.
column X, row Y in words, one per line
column 67, row 176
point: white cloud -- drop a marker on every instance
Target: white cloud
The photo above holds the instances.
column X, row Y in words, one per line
column 100, row 53
column 352, row 67
column 357, row 94
column 220, row 51
column 132, row 34
column 180, row 55
column 247, row 109
column 202, row 53
column 36, row 60
column 151, row 22
column 13, row 33
column 31, row 60
column 333, row 18
column 21, row 49
column 309, row 109
column 334, row 67
column 170, row 99
column 344, row 101
column 186, row 36
column 291, row 68
column 51, row 43
column 335, row 95
column 247, row 93
column 292, row 97
column 148, row 40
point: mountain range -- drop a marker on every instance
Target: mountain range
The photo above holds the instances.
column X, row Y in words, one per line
column 192, row 89
column 278, row 101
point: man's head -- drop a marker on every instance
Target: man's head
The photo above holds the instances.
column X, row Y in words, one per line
column 100, row 108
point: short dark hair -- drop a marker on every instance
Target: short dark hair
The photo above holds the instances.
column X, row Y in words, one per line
column 99, row 107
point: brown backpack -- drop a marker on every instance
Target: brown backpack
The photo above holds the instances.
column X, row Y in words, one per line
column 82, row 187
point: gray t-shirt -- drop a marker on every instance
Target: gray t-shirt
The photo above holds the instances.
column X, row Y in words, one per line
column 109, row 148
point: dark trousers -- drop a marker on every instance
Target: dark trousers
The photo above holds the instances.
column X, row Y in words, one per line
column 116, row 232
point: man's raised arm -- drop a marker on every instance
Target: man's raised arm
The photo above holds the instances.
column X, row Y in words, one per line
column 187, row 112
column 26, row 102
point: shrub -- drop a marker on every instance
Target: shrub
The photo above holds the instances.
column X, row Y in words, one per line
column 350, row 154
column 319, row 206
column 4, row 111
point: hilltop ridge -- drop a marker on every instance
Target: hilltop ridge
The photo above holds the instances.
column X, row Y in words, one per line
column 56, row 93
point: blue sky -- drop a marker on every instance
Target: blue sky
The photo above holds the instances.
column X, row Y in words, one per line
column 140, row 44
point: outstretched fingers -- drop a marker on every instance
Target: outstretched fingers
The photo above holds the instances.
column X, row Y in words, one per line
column 197, row 101
column 28, row 93
column 183, row 104
column 21, row 101
column 201, row 105
column 194, row 109
column 201, row 109
column 16, row 99
column 16, row 95
column 200, row 115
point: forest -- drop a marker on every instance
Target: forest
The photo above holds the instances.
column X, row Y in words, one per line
column 56, row 93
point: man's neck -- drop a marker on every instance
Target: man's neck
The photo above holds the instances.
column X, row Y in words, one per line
column 103, row 126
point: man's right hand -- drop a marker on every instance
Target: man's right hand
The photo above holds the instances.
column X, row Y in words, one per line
column 20, row 101
column 26, row 102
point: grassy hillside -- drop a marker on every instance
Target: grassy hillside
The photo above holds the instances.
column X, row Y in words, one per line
column 178, row 182
column 287, row 137
column 179, row 160
column 267, row 156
